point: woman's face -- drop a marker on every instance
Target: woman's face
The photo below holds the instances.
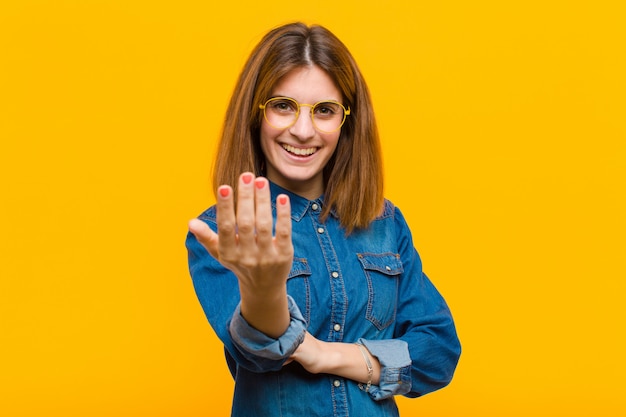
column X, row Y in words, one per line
column 296, row 156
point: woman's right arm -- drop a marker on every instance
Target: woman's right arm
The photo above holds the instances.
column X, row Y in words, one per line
column 217, row 290
column 245, row 245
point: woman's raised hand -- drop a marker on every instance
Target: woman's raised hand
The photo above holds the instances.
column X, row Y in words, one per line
column 245, row 245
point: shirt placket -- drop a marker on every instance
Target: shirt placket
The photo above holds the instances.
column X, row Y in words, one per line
column 339, row 303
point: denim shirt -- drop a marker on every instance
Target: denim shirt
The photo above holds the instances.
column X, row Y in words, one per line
column 367, row 286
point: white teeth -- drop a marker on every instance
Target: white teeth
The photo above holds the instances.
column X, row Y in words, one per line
column 299, row 151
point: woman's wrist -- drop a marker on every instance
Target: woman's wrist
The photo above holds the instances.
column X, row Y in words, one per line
column 370, row 370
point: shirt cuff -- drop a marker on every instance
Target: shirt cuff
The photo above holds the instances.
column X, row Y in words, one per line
column 395, row 367
column 258, row 347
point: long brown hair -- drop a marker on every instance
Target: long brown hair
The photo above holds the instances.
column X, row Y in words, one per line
column 353, row 177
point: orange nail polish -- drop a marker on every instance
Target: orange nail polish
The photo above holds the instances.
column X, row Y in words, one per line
column 282, row 200
column 260, row 183
column 224, row 192
column 246, row 178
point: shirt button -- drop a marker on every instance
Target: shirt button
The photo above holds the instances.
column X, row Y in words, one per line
column 388, row 268
column 315, row 207
column 337, row 383
column 320, row 230
column 335, row 274
column 337, row 327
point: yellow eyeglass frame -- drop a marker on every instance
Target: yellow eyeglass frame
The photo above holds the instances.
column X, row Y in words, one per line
column 346, row 112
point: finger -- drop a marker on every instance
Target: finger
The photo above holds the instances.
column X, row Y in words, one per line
column 263, row 214
column 226, row 224
column 207, row 237
column 245, row 213
column 282, row 239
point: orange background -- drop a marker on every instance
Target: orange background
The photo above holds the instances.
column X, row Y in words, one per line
column 504, row 137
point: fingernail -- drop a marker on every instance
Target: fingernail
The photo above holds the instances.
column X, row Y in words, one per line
column 224, row 191
column 282, row 200
column 246, row 178
column 260, row 183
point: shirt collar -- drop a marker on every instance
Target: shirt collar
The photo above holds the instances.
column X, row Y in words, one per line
column 299, row 204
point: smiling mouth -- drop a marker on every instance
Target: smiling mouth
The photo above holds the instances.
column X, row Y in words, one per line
column 299, row 151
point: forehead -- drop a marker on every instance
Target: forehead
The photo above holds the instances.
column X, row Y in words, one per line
column 307, row 85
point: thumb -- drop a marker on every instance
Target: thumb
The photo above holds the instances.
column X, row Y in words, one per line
column 207, row 237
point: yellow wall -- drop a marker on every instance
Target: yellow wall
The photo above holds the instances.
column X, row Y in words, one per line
column 503, row 129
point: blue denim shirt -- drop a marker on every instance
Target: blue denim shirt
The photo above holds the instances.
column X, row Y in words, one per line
column 367, row 286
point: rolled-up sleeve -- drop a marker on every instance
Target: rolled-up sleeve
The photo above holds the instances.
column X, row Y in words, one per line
column 395, row 367
column 261, row 353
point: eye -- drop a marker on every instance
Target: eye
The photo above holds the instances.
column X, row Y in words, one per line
column 327, row 109
column 282, row 105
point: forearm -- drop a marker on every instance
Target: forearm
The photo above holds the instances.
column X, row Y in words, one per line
column 266, row 309
column 257, row 351
column 349, row 361
column 342, row 359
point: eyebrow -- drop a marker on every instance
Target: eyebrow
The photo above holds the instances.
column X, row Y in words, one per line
column 299, row 102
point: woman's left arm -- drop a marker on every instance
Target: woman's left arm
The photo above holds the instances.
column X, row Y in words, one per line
column 424, row 351
column 420, row 360
column 383, row 368
column 423, row 321
column 348, row 360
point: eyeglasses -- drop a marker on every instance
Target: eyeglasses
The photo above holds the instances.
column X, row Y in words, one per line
column 282, row 112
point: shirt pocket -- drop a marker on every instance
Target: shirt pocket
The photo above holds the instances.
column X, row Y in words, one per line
column 299, row 286
column 382, row 273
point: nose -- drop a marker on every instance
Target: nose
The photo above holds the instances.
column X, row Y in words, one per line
column 303, row 128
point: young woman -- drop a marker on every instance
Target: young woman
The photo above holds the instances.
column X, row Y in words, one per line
column 312, row 282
